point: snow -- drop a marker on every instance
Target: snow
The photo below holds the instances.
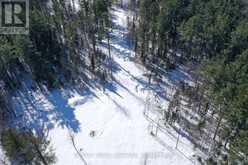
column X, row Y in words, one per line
column 122, row 135
column 3, row 159
column 115, row 114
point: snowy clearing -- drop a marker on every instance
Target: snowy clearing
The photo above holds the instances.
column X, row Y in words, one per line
column 108, row 125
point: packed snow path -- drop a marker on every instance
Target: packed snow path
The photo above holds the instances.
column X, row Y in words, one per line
column 109, row 127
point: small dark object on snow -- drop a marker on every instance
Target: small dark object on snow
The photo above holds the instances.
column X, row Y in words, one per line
column 92, row 133
column 199, row 159
column 152, row 133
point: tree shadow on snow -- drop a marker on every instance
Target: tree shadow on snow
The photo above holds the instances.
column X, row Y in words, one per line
column 41, row 109
column 63, row 114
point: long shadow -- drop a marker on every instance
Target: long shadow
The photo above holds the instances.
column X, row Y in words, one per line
column 122, row 40
column 175, row 76
column 32, row 112
column 100, row 80
column 158, row 89
column 111, row 87
column 41, row 109
column 125, row 53
column 124, row 44
column 131, row 93
column 120, row 108
column 161, row 142
column 63, row 114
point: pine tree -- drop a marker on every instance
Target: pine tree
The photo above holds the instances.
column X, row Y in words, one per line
column 25, row 148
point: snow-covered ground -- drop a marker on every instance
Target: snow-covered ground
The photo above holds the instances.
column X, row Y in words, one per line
column 3, row 159
column 115, row 115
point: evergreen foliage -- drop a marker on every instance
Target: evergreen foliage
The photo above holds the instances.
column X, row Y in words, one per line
column 25, row 148
column 212, row 34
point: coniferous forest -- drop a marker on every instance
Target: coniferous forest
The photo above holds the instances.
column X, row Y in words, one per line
column 107, row 76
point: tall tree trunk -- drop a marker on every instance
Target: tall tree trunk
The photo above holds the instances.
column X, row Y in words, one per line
column 218, row 123
column 43, row 159
column 94, row 52
column 110, row 57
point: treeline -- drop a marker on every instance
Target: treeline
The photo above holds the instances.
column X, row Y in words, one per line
column 210, row 34
column 61, row 46
column 191, row 30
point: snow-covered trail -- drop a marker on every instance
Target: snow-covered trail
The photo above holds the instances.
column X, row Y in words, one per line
column 116, row 117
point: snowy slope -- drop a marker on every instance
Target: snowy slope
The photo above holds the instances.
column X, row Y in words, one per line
column 115, row 114
column 122, row 135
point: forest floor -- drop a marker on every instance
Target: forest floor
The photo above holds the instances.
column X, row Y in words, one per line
column 108, row 124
